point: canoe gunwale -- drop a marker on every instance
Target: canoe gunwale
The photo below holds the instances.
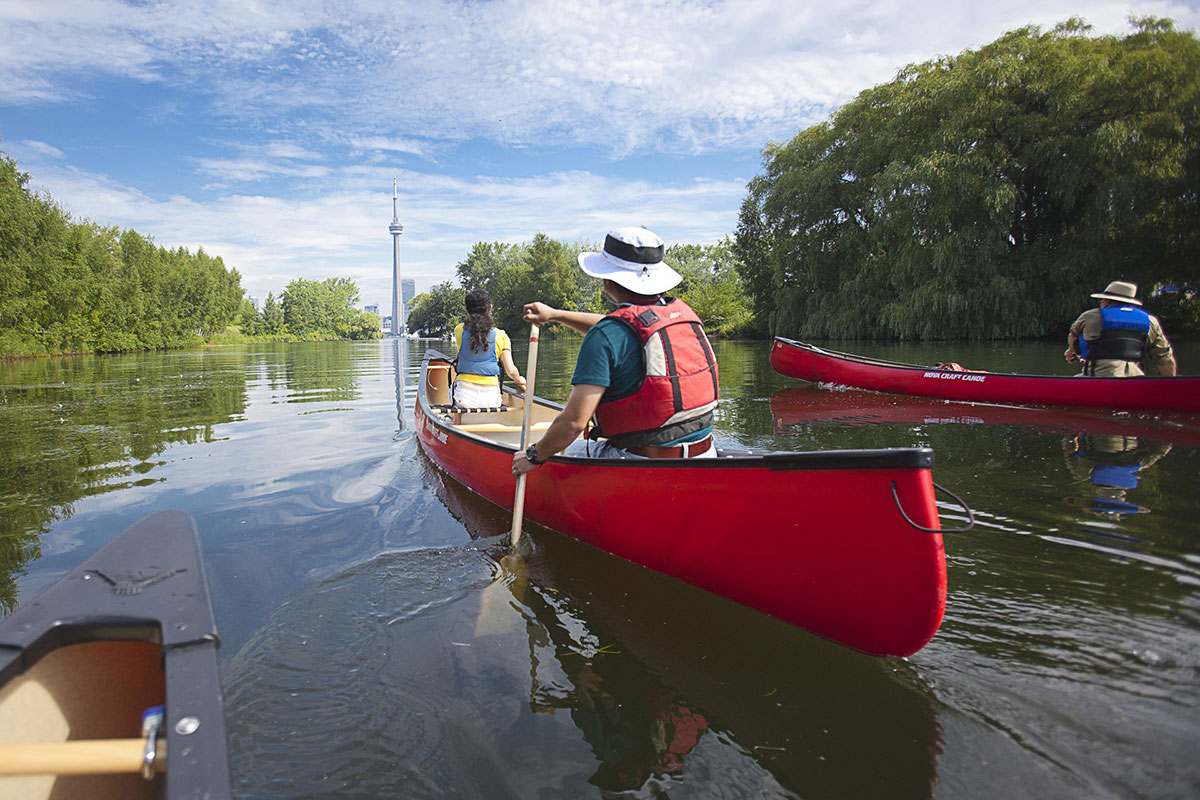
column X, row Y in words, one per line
column 728, row 458
column 807, row 362
column 885, row 364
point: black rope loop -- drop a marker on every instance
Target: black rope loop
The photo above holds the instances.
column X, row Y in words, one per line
column 970, row 514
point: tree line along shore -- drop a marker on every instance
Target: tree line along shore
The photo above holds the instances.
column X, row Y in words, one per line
column 978, row 196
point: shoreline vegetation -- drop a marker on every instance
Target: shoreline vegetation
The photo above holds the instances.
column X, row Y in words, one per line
column 74, row 287
column 977, row 197
column 984, row 196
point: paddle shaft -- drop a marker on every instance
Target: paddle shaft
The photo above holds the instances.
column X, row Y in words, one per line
column 530, row 373
column 82, row 757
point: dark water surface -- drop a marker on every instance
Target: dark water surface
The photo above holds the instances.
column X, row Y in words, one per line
column 377, row 641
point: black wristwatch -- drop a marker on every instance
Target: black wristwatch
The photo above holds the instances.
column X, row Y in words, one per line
column 531, row 455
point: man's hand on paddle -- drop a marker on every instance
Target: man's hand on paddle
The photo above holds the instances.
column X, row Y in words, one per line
column 542, row 314
column 538, row 313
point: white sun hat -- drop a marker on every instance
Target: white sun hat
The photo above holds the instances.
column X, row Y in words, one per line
column 633, row 258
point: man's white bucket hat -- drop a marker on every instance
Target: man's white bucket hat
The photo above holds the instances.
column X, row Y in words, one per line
column 633, row 258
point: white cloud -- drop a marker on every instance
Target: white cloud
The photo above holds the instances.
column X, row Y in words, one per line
column 626, row 75
column 316, row 100
column 43, row 148
column 249, row 169
column 343, row 231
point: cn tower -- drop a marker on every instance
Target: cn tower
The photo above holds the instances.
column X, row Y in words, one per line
column 399, row 324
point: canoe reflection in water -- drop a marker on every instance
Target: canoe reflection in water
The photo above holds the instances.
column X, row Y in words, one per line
column 672, row 687
column 1106, row 454
column 809, row 405
column 1110, row 467
column 638, row 743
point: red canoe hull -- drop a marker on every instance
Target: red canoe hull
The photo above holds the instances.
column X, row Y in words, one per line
column 814, row 539
column 809, row 363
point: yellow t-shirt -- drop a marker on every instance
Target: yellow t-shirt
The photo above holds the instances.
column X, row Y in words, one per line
column 502, row 343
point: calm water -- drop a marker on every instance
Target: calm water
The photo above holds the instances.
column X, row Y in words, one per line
column 377, row 642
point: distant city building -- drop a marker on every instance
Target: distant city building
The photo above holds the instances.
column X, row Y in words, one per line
column 386, row 325
column 373, row 309
column 408, row 290
column 254, row 301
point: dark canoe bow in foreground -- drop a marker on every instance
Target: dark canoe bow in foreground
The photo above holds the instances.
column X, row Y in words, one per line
column 846, row 544
column 129, row 629
column 819, row 365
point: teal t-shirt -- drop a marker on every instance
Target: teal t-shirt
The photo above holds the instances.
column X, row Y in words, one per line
column 611, row 356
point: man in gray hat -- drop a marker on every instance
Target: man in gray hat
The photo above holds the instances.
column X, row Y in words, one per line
column 645, row 378
column 1112, row 339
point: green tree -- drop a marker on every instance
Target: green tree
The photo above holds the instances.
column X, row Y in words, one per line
column 712, row 286
column 482, row 266
column 81, row 286
column 272, row 317
column 438, row 311
column 984, row 195
column 325, row 310
column 551, row 280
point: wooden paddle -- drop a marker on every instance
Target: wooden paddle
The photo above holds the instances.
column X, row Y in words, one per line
column 530, row 372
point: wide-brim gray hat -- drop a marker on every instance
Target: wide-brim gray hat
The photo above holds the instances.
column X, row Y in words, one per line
column 1120, row 291
column 633, row 257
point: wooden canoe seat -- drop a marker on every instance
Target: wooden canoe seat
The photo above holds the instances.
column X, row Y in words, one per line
column 497, row 427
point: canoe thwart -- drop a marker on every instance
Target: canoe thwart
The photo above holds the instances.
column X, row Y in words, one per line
column 81, row 757
column 497, row 427
column 970, row 514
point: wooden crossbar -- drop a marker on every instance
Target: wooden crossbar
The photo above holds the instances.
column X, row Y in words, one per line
column 82, row 757
column 497, row 427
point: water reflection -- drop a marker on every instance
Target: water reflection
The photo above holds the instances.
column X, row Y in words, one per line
column 1106, row 453
column 75, row 427
column 800, row 406
column 400, row 366
column 321, row 372
column 655, row 674
column 1109, row 467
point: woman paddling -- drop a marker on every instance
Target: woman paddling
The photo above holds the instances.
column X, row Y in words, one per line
column 482, row 349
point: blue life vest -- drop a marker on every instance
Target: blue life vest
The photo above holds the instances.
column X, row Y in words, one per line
column 1119, row 476
column 482, row 363
column 1123, row 332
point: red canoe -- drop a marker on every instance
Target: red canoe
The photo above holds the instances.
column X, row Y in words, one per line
column 810, row 363
column 845, row 544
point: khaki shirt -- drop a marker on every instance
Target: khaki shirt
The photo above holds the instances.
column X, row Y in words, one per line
column 1158, row 349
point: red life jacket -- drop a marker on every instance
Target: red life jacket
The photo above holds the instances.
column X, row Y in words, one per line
column 678, row 390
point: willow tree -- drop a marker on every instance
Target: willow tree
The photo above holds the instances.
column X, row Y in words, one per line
column 984, row 195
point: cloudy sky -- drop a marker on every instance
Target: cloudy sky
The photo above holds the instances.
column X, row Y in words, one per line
column 268, row 131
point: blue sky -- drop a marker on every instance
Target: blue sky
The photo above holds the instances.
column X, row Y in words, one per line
column 268, row 131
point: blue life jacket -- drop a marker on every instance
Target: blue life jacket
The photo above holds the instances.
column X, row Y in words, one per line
column 482, row 363
column 1120, row 476
column 1123, row 331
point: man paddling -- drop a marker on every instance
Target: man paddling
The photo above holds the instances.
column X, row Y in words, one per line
column 1112, row 339
column 645, row 377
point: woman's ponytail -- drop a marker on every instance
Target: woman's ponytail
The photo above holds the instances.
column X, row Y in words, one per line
column 479, row 318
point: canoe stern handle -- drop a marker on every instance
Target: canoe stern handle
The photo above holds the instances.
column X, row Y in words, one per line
column 962, row 504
